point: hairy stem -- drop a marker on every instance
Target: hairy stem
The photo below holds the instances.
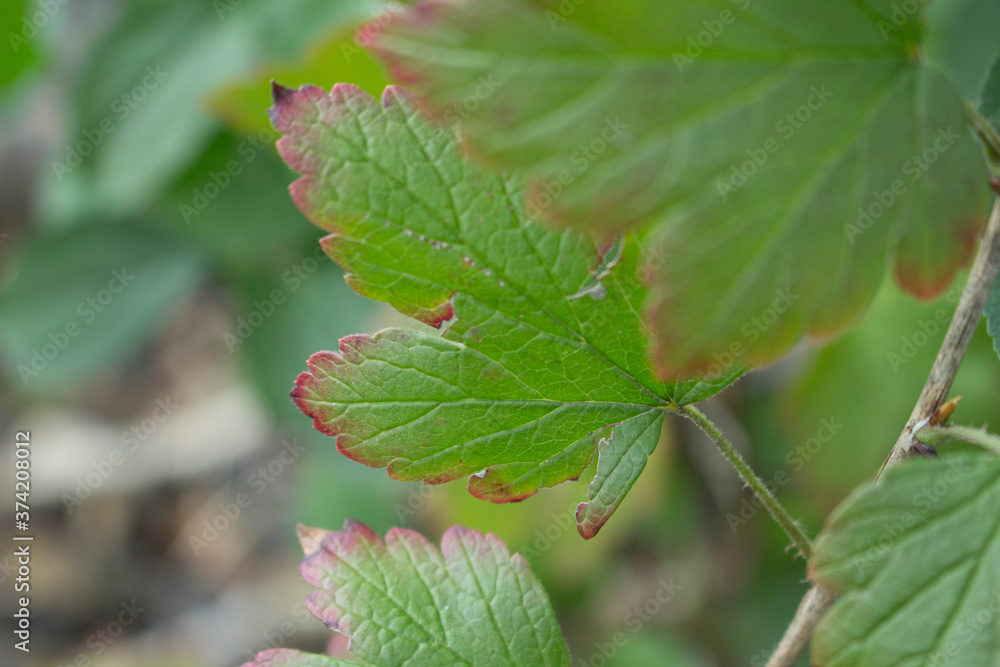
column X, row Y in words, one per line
column 937, row 435
column 756, row 484
column 985, row 131
column 956, row 341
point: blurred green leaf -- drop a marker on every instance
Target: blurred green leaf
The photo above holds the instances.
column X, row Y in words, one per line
column 990, row 106
column 233, row 204
column 992, row 313
column 143, row 96
column 140, row 98
column 19, row 26
column 822, row 110
column 962, row 39
column 79, row 300
column 287, row 28
column 916, row 562
column 653, row 647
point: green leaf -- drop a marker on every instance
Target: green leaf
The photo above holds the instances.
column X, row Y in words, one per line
column 403, row 602
column 139, row 111
column 916, row 561
column 233, row 205
column 776, row 149
column 992, row 313
column 77, row 301
column 622, row 456
column 19, row 30
column 990, row 106
column 962, row 41
column 143, row 90
column 543, row 348
column 283, row 657
column 990, row 110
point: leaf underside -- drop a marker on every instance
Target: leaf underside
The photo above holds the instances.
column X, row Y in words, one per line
column 916, row 561
column 782, row 153
column 403, row 602
column 542, row 346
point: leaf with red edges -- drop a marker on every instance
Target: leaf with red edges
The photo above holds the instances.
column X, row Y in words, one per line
column 782, row 153
column 542, row 345
column 622, row 458
column 404, row 602
column 283, row 657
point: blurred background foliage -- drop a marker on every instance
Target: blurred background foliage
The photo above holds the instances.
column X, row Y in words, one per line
column 159, row 292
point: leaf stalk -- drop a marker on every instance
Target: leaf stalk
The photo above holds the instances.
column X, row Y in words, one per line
column 756, row 484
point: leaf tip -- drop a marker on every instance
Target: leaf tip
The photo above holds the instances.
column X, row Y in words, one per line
column 925, row 281
column 310, row 539
column 291, row 102
column 280, row 94
column 587, row 524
